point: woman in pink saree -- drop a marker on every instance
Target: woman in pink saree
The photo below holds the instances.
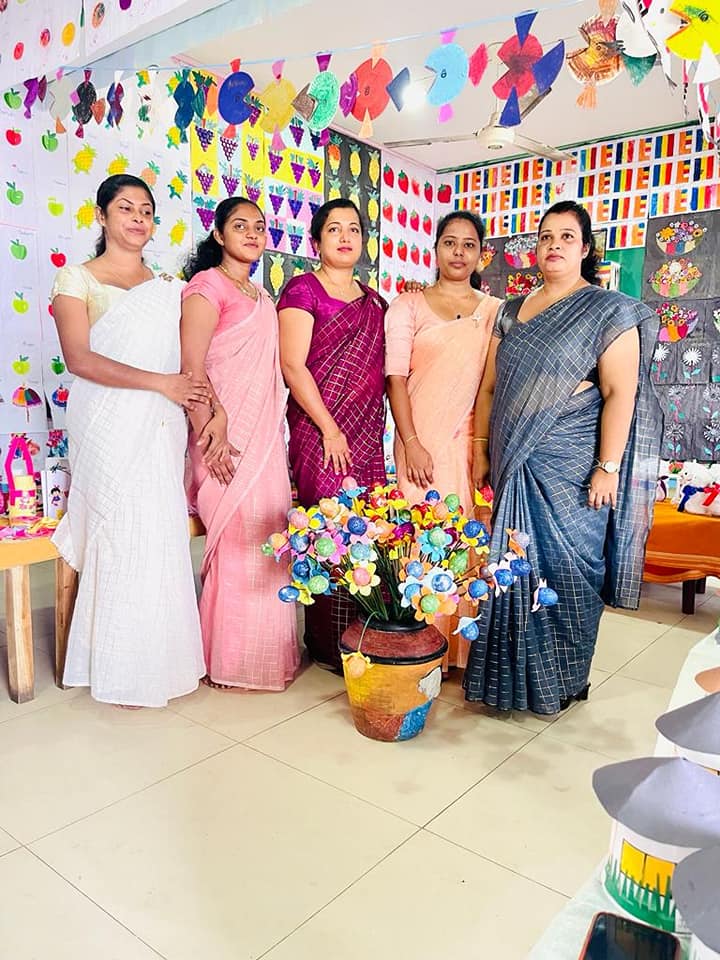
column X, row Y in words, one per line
column 332, row 346
column 240, row 482
column 436, row 345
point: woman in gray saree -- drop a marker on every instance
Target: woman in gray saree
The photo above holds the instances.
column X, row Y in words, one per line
column 567, row 430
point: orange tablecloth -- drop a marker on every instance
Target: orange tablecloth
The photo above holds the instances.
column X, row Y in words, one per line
column 682, row 546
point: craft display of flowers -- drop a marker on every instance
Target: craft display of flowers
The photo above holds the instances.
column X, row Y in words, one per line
column 520, row 284
column 661, row 353
column 679, row 237
column 675, row 278
column 487, row 255
column 692, row 359
column 676, row 322
column 520, row 251
column 399, row 562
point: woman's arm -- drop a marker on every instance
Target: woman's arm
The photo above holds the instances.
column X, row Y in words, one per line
column 618, row 373
column 481, row 419
column 417, row 459
column 73, row 326
column 198, row 321
column 296, row 327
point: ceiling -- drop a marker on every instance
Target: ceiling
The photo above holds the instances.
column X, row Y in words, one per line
column 333, row 25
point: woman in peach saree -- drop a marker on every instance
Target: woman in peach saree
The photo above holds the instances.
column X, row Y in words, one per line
column 436, row 345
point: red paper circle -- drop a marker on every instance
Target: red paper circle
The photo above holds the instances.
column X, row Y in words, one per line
column 372, row 94
column 19, row 50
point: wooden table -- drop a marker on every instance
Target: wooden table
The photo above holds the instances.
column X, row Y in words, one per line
column 16, row 558
column 682, row 547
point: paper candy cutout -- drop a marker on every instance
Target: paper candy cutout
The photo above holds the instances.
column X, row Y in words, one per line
column 372, row 97
column 304, row 104
column 184, row 97
column 36, row 90
column 701, row 29
column 449, row 62
column 325, row 91
column 695, row 888
column 696, row 729
column 666, row 799
column 519, row 56
column 397, row 87
column 83, row 99
column 523, row 24
column 348, row 94
column 233, row 106
column 114, row 98
column 477, row 65
column 277, row 100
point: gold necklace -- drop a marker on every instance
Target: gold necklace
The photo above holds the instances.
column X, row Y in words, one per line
column 249, row 289
column 347, row 292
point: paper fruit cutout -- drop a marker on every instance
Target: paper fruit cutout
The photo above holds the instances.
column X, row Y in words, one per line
column 18, row 250
column 679, row 237
column 701, row 28
column 520, row 251
column 694, row 730
column 449, row 62
column 232, row 97
column 675, row 278
column 57, row 366
column 662, row 809
column 324, row 89
column 676, row 322
column 60, row 396
column 695, row 889
column 373, row 77
column 598, row 62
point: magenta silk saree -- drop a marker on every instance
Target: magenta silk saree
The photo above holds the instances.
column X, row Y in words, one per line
column 249, row 637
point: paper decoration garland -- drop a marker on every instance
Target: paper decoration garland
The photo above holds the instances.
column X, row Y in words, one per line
column 83, row 100
column 373, row 77
column 232, row 97
column 277, row 99
column 324, row 89
column 450, row 65
column 519, row 53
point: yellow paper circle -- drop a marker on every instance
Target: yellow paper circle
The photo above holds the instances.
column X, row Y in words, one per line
column 277, row 98
column 68, row 33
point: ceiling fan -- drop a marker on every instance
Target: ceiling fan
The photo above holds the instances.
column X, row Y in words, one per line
column 494, row 137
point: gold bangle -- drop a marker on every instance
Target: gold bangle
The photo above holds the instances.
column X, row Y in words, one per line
column 413, row 437
column 481, row 439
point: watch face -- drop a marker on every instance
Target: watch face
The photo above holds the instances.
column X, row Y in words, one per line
column 609, row 466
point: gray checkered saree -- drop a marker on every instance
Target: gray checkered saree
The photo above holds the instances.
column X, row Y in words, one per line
column 544, row 440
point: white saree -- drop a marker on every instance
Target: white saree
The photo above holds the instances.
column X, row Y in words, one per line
column 135, row 632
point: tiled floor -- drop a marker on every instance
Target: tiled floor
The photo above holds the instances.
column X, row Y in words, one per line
column 237, row 826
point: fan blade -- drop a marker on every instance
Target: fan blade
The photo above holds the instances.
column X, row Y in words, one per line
column 541, row 149
column 529, row 102
column 427, row 141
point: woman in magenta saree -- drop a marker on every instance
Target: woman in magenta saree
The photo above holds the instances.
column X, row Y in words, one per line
column 332, row 345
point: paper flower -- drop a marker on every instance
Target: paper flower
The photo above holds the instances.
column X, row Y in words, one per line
column 681, row 236
column 433, row 543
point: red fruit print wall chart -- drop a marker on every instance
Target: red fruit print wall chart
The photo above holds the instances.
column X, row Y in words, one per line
column 413, row 198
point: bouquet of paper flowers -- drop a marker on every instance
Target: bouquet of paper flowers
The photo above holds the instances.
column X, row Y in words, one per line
column 679, row 237
column 400, row 562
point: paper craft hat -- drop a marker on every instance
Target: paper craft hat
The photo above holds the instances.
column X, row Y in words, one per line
column 696, row 894
column 663, row 809
column 695, row 731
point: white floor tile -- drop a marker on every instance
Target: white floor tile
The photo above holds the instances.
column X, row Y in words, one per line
column 224, row 859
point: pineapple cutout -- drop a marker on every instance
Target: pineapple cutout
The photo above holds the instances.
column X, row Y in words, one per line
column 374, row 167
column 118, row 165
column 85, row 215
column 372, row 246
column 83, row 159
column 177, row 233
column 335, row 191
column 373, row 207
column 150, row 173
column 355, row 162
column 277, row 273
column 334, row 153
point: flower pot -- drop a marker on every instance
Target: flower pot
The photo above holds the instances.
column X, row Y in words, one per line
column 392, row 675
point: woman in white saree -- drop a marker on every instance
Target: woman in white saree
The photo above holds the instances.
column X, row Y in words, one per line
column 135, row 633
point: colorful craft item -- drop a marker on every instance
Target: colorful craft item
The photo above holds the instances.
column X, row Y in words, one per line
column 83, row 100
column 114, row 99
column 277, row 101
column 324, row 89
column 400, row 562
column 397, row 88
column 598, row 62
column 233, row 105
column 22, row 489
column 36, row 90
column 487, row 255
column 477, row 64
column 184, row 97
column 373, row 77
column 519, row 53
column 520, row 251
column 675, row 278
column 26, row 397
column 660, row 24
column 449, row 63
column 632, row 37
column 676, row 322
column 701, row 28
column 520, row 284
column 679, row 237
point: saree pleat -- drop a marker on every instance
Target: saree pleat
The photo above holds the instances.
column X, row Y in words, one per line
column 544, row 442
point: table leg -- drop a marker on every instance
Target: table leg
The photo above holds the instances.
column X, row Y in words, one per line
column 18, row 613
column 689, row 588
column 700, row 585
column 66, row 582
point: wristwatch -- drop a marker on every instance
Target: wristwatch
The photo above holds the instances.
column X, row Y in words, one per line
column 609, row 466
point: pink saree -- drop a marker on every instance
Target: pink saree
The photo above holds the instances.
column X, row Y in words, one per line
column 249, row 637
column 443, row 361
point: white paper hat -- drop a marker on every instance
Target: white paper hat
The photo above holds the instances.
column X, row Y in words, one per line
column 695, row 886
column 667, row 799
column 695, row 727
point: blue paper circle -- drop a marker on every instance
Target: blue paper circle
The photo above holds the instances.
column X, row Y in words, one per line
column 450, row 63
column 232, row 106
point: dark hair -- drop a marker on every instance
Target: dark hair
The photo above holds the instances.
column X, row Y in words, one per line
column 320, row 217
column 106, row 193
column 209, row 252
column 588, row 268
column 474, row 220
